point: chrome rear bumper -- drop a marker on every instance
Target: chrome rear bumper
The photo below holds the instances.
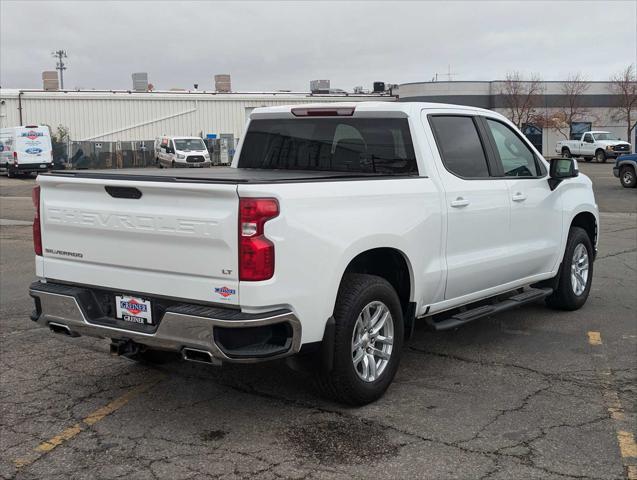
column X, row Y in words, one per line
column 62, row 306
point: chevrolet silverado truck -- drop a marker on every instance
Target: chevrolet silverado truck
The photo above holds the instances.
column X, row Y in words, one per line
column 598, row 145
column 335, row 228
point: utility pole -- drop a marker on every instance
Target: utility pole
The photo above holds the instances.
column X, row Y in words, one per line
column 60, row 55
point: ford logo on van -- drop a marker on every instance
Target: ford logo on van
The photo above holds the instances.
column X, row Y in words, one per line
column 33, row 151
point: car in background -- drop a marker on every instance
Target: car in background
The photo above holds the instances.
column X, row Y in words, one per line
column 25, row 149
column 596, row 144
column 625, row 169
column 181, row 152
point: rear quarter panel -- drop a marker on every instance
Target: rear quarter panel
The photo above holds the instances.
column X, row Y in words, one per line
column 322, row 226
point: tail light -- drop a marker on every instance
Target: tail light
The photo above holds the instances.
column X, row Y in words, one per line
column 256, row 252
column 15, row 157
column 37, row 231
column 323, row 111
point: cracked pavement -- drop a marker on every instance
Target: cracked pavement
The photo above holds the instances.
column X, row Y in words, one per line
column 518, row 395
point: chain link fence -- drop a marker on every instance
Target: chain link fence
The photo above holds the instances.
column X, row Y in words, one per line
column 137, row 154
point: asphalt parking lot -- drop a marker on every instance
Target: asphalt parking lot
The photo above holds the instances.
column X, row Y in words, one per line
column 529, row 394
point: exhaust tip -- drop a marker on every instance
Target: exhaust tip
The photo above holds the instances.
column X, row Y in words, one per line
column 201, row 356
column 61, row 329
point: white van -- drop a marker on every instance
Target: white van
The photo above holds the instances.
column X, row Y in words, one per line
column 181, row 152
column 25, row 149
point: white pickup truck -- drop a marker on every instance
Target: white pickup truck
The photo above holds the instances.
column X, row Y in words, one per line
column 335, row 228
column 598, row 145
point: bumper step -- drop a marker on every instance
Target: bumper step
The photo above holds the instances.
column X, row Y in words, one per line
column 517, row 300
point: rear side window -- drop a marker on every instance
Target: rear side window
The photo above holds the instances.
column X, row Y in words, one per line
column 460, row 146
column 516, row 157
column 365, row 145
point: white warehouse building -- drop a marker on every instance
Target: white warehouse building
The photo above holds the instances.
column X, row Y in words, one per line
column 131, row 116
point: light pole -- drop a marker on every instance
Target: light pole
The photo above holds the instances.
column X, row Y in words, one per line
column 60, row 55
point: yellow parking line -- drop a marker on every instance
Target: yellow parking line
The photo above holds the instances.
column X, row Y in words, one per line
column 91, row 419
column 627, row 445
column 594, row 338
column 631, row 472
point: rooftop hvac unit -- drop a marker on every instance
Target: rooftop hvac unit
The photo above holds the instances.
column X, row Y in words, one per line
column 320, row 86
column 140, row 82
column 379, row 87
column 50, row 80
column 222, row 83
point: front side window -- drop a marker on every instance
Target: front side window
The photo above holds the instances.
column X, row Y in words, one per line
column 588, row 138
column 460, row 146
column 516, row 157
column 361, row 145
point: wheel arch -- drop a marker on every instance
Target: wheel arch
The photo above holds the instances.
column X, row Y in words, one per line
column 588, row 222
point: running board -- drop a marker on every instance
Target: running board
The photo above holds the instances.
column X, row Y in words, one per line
column 459, row 319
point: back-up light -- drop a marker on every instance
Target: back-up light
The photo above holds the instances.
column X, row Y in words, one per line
column 256, row 252
column 37, row 231
column 323, row 112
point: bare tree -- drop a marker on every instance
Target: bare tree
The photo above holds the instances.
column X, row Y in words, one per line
column 573, row 90
column 521, row 98
column 624, row 85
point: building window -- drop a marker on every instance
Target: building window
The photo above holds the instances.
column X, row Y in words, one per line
column 578, row 128
column 534, row 134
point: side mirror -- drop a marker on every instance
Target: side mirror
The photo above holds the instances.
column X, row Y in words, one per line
column 562, row 168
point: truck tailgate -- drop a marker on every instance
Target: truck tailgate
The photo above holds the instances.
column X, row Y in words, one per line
column 175, row 240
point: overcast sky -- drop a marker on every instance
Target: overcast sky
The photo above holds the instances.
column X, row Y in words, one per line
column 283, row 45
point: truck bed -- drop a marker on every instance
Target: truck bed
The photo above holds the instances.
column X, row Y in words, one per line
column 218, row 175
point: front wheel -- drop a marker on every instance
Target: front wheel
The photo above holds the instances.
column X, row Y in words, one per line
column 600, row 156
column 627, row 177
column 368, row 340
column 576, row 272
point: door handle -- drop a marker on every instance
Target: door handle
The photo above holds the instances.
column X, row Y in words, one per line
column 518, row 197
column 459, row 202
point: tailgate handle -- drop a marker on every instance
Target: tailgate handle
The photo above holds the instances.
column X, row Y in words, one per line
column 123, row 192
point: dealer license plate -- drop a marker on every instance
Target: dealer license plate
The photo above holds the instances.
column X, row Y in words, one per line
column 133, row 309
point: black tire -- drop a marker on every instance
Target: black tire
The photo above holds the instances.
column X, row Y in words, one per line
column 566, row 153
column 10, row 173
column 588, row 159
column 627, row 176
column 564, row 297
column 600, row 156
column 173, row 164
column 343, row 383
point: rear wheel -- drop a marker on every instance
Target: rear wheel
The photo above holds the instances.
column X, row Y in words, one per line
column 566, row 153
column 627, row 177
column 173, row 164
column 600, row 156
column 368, row 340
column 576, row 272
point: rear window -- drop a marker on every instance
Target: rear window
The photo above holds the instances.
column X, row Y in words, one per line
column 365, row 145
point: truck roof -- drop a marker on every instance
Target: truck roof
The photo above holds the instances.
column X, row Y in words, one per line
column 365, row 108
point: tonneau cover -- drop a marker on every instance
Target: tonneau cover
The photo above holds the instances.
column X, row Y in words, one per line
column 215, row 175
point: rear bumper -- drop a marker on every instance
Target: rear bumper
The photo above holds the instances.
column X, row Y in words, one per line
column 227, row 335
column 30, row 167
